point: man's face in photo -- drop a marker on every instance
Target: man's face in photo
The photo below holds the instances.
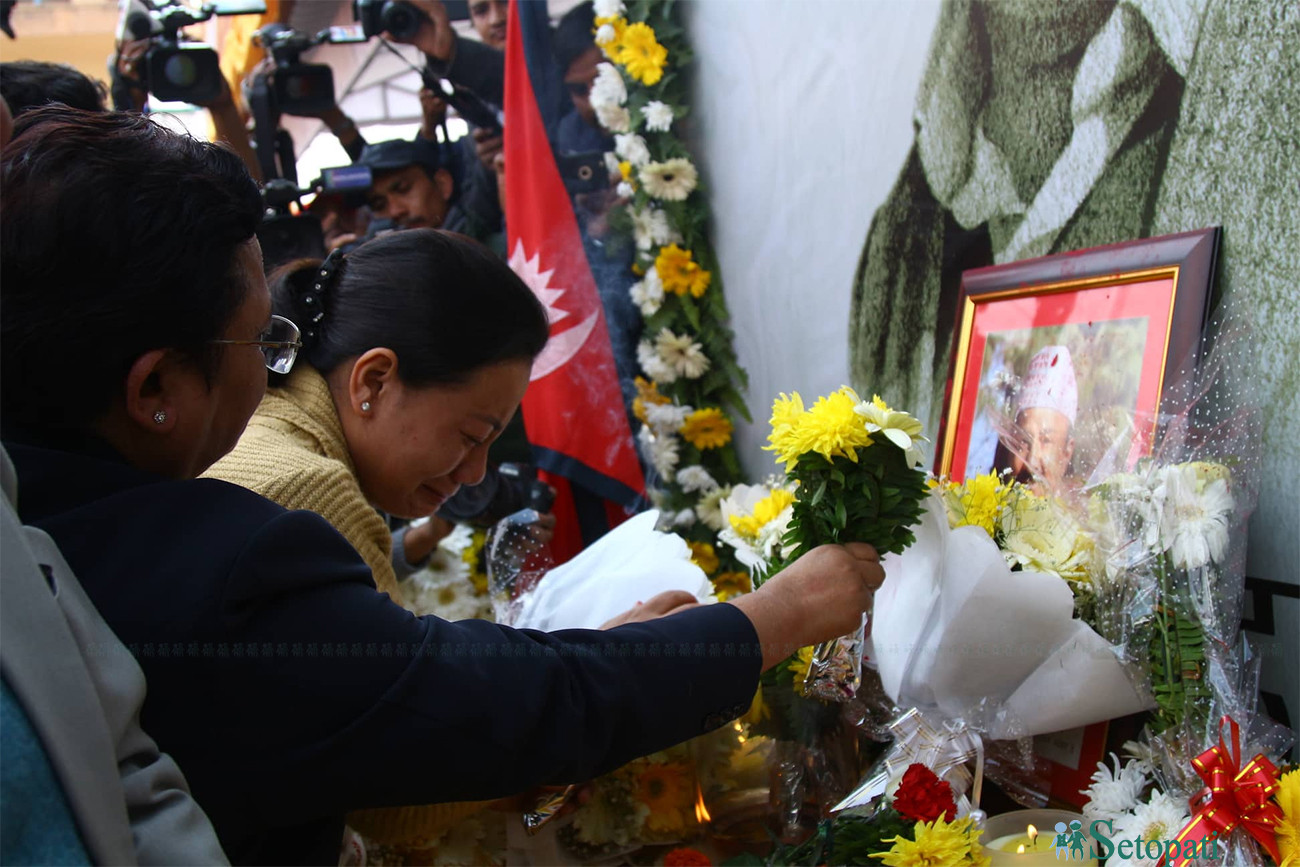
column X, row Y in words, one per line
column 1047, row 447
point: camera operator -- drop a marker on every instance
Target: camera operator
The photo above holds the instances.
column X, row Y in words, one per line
column 130, row 93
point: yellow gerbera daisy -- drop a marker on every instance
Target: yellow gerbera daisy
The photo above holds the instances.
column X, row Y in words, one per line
column 1288, row 830
column 703, row 555
column 728, row 585
column 680, row 273
column 647, row 392
column 937, row 844
column 706, row 428
column 665, row 789
column 641, row 54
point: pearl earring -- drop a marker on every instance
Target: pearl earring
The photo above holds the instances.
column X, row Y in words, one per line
column 365, row 406
column 159, row 417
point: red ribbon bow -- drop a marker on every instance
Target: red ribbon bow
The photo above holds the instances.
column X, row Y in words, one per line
column 1232, row 796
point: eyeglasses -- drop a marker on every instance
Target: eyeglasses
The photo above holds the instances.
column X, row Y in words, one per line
column 279, row 343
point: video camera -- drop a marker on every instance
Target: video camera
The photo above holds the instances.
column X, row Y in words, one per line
column 286, row 236
column 399, row 19
column 174, row 69
column 301, row 88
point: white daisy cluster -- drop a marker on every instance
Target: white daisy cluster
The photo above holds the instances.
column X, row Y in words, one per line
column 648, row 293
column 608, row 95
column 671, row 356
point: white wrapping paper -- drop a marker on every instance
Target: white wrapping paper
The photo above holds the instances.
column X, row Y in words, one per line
column 957, row 633
column 629, row 564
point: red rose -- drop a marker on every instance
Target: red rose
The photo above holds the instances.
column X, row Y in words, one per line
column 687, row 857
column 923, row 797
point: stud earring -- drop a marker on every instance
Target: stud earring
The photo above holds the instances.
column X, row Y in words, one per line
column 159, row 417
column 365, row 406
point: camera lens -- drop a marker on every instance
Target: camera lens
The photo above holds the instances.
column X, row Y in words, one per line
column 180, row 70
column 400, row 19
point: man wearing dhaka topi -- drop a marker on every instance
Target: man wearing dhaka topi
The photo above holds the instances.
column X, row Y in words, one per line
column 1043, row 444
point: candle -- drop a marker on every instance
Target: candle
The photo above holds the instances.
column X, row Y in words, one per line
column 1013, row 839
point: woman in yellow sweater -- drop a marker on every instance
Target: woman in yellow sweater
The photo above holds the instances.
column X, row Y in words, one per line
column 383, row 410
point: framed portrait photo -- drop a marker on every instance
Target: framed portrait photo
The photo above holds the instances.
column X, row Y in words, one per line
column 1060, row 362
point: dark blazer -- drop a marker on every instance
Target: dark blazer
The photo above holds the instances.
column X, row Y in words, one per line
column 291, row 691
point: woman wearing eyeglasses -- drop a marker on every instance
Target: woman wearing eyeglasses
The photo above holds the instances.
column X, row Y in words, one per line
column 135, row 331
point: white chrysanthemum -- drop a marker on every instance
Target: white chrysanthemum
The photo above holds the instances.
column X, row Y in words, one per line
column 658, row 116
column 605, row 34
column 608, row 90
column 643, row 227
column 653, row 363
column 661, row 228
column 1113, row 793
column 660, row 451
column 631, row 147
column 446, row 593
column 609, row 8
column 625, row 190
column 682, row 354
column 666, row 418
column 1160, row 818
column 671, row 180
column 696, row 478
column 614, row 118
column 611, row 162
column 709, row 508
column 648, row 293
column 1193, row 521
column 684, row 518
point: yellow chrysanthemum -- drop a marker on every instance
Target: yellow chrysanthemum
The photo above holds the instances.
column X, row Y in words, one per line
column 628, row 173
column 765, row 510
column 978, row 502
column 680, row 273
column 703, row 555
column 666, row 790
column 706, row 428
column 1288, row 830
column 799, row 667
column 728, row 585
column 758, row 710
column 472, row 556
column 641, row 54
column 611, row 40
column 647, row 392
column 937, row 844
column 830, row 427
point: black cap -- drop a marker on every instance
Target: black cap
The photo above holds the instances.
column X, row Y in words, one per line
column 387, row 156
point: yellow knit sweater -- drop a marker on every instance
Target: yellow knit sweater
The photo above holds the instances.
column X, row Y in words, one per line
column 294, row 453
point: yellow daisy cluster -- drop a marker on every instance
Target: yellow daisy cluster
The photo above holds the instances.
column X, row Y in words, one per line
column 703, row 555
column 830, row 427
column 707, row 428
column 729, row 585
column 977, row 502
column 766, row 510
column 937, row 844
column 680, row 273
column 647, row 392
column 632, row 46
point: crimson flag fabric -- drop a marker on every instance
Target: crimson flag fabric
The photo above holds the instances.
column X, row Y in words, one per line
column 573, row 409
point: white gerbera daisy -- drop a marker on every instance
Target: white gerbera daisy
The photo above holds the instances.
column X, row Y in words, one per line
column 614, row 118
column 666, row 418
column 1194, row 523
column 682, row 354
column 658, row 116
column 693, row 479
column 1160, row 818
column 1114, row 793
column 609, row 8
column 660, row 451
column 648, row 293
column 608, row 89
column 632, row 147
column 653, row 364
column 671, row 180
column 709, row 508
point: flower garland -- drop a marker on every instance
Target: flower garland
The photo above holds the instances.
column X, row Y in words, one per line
column 690, row 391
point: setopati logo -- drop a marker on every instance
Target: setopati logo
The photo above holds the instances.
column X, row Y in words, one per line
column 1071, row 844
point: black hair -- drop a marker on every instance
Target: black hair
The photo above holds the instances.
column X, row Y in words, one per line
column 119, row 236
column 28, row 84
column 573, row 34
column 443, row 302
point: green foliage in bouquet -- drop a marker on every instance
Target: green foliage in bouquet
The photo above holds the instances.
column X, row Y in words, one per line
column 855, row 465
